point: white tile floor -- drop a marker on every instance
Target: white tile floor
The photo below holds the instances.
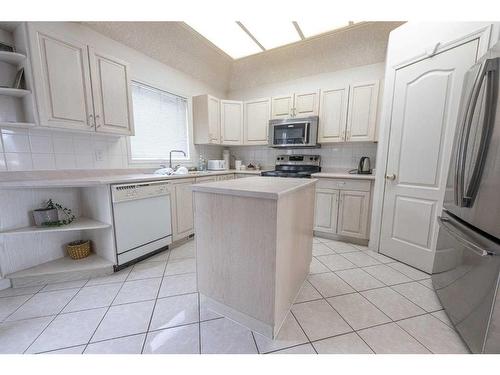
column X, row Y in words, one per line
column 355, row 301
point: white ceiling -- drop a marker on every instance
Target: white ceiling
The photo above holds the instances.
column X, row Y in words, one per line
column 244, row 38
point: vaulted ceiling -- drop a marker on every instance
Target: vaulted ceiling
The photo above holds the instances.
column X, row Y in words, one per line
column 179, row 46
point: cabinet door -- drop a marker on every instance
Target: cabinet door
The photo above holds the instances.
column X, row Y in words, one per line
column 182, row 209
column 306, row 104
column 281, row 106
column 256, row 115
column 353, row 213
column 231, row 122
column 362, row 113
column 325, row 211
column 333, row 115
column 112, row 96
column 213, row 120
column 62, row 82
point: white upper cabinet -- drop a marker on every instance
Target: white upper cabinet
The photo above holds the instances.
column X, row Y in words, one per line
column 295, row 105
column 282, row 106
column 231, row 120
column 206, row 119
column 78, row 88
column 112, row 97
column 362, row 113
column 333, row 115
column 256, row 121
column 62, row 82
column 306, row 104
column 349, row 113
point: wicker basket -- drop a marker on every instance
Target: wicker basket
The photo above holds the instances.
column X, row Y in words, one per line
column 78, row 249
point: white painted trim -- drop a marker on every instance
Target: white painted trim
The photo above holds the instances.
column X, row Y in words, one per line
column 4, row 284
column 485, row 35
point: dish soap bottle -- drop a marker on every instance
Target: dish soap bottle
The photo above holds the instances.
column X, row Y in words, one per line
column 201, row 163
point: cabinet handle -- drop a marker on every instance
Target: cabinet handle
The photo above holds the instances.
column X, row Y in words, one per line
column 343, row 135
column 390, row 177
column 98, row 124
column 91, row 121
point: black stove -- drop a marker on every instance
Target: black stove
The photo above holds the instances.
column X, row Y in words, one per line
column 297, row 166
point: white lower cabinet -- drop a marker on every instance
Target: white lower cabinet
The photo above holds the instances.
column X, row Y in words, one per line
column 353, row 214
column 326, row 209
column 341, row 211
column 182, row 208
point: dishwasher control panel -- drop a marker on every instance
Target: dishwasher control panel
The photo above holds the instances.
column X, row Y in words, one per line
column 127, row 192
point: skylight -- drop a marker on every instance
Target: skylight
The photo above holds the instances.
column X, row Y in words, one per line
column 243, row 38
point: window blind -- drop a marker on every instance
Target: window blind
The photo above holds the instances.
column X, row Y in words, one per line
column 161, row 124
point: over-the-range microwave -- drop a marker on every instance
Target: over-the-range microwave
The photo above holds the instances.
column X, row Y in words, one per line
column 294, row 132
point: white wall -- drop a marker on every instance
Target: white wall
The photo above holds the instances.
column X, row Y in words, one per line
column 340, row 155
column 40, row 149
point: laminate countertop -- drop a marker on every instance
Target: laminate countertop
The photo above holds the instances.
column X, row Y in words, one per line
column 64, row 179
column 256, row 187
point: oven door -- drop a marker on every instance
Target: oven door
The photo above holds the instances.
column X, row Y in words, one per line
column 293, row 132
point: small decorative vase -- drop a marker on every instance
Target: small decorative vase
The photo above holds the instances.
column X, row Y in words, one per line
column 45, row 215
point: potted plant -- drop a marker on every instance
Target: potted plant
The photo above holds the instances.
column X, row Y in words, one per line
column 49, row 215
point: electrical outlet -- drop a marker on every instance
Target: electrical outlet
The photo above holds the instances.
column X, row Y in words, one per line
column 99, row 155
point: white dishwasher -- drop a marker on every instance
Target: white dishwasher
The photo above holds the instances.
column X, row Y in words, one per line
column 142, row 220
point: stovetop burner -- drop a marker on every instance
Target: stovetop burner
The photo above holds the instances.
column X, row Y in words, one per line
column 296, row 166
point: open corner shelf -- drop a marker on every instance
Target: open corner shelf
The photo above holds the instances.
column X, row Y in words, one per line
column 81, row 223
column 18, row 93
column 13, row 58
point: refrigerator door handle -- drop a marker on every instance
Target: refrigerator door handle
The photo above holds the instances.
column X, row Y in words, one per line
column 445, row 224
column 463, row 135
column 491, row 71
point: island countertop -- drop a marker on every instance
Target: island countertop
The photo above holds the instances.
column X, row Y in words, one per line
column 256, row 187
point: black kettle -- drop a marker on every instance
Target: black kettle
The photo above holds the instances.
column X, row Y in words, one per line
column 364, row 165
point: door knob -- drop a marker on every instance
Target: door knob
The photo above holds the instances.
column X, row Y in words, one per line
column 391, row 177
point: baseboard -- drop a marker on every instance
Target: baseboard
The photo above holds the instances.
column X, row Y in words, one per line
column 336, row 237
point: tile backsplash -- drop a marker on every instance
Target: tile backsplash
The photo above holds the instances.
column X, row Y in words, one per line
column 32, row 149
column 333, row 156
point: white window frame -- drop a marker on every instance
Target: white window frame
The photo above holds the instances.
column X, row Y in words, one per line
column 175, row 157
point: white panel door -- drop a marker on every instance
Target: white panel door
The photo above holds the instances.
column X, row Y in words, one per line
column 112, row 97
column 62, row 80
column 306, row 104
column 325, row 210
column 424, row 114
column 353, row 213
column 333, row 115
column 231, row 118
column 256, row 121
column 213, row 119
column 281, row 106
column 362, row 113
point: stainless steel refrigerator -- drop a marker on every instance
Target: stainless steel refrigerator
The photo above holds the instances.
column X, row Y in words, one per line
column 467, row 263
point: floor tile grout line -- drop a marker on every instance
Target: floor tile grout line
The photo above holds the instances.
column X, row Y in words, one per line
column 103, row 316
column 55, row 317
column 302, row 328
column 156, row 300
column 255, row 342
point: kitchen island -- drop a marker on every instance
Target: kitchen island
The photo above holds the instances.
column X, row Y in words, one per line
column 254, row 247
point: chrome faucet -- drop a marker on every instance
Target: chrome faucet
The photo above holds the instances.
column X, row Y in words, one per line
column 170, row 158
